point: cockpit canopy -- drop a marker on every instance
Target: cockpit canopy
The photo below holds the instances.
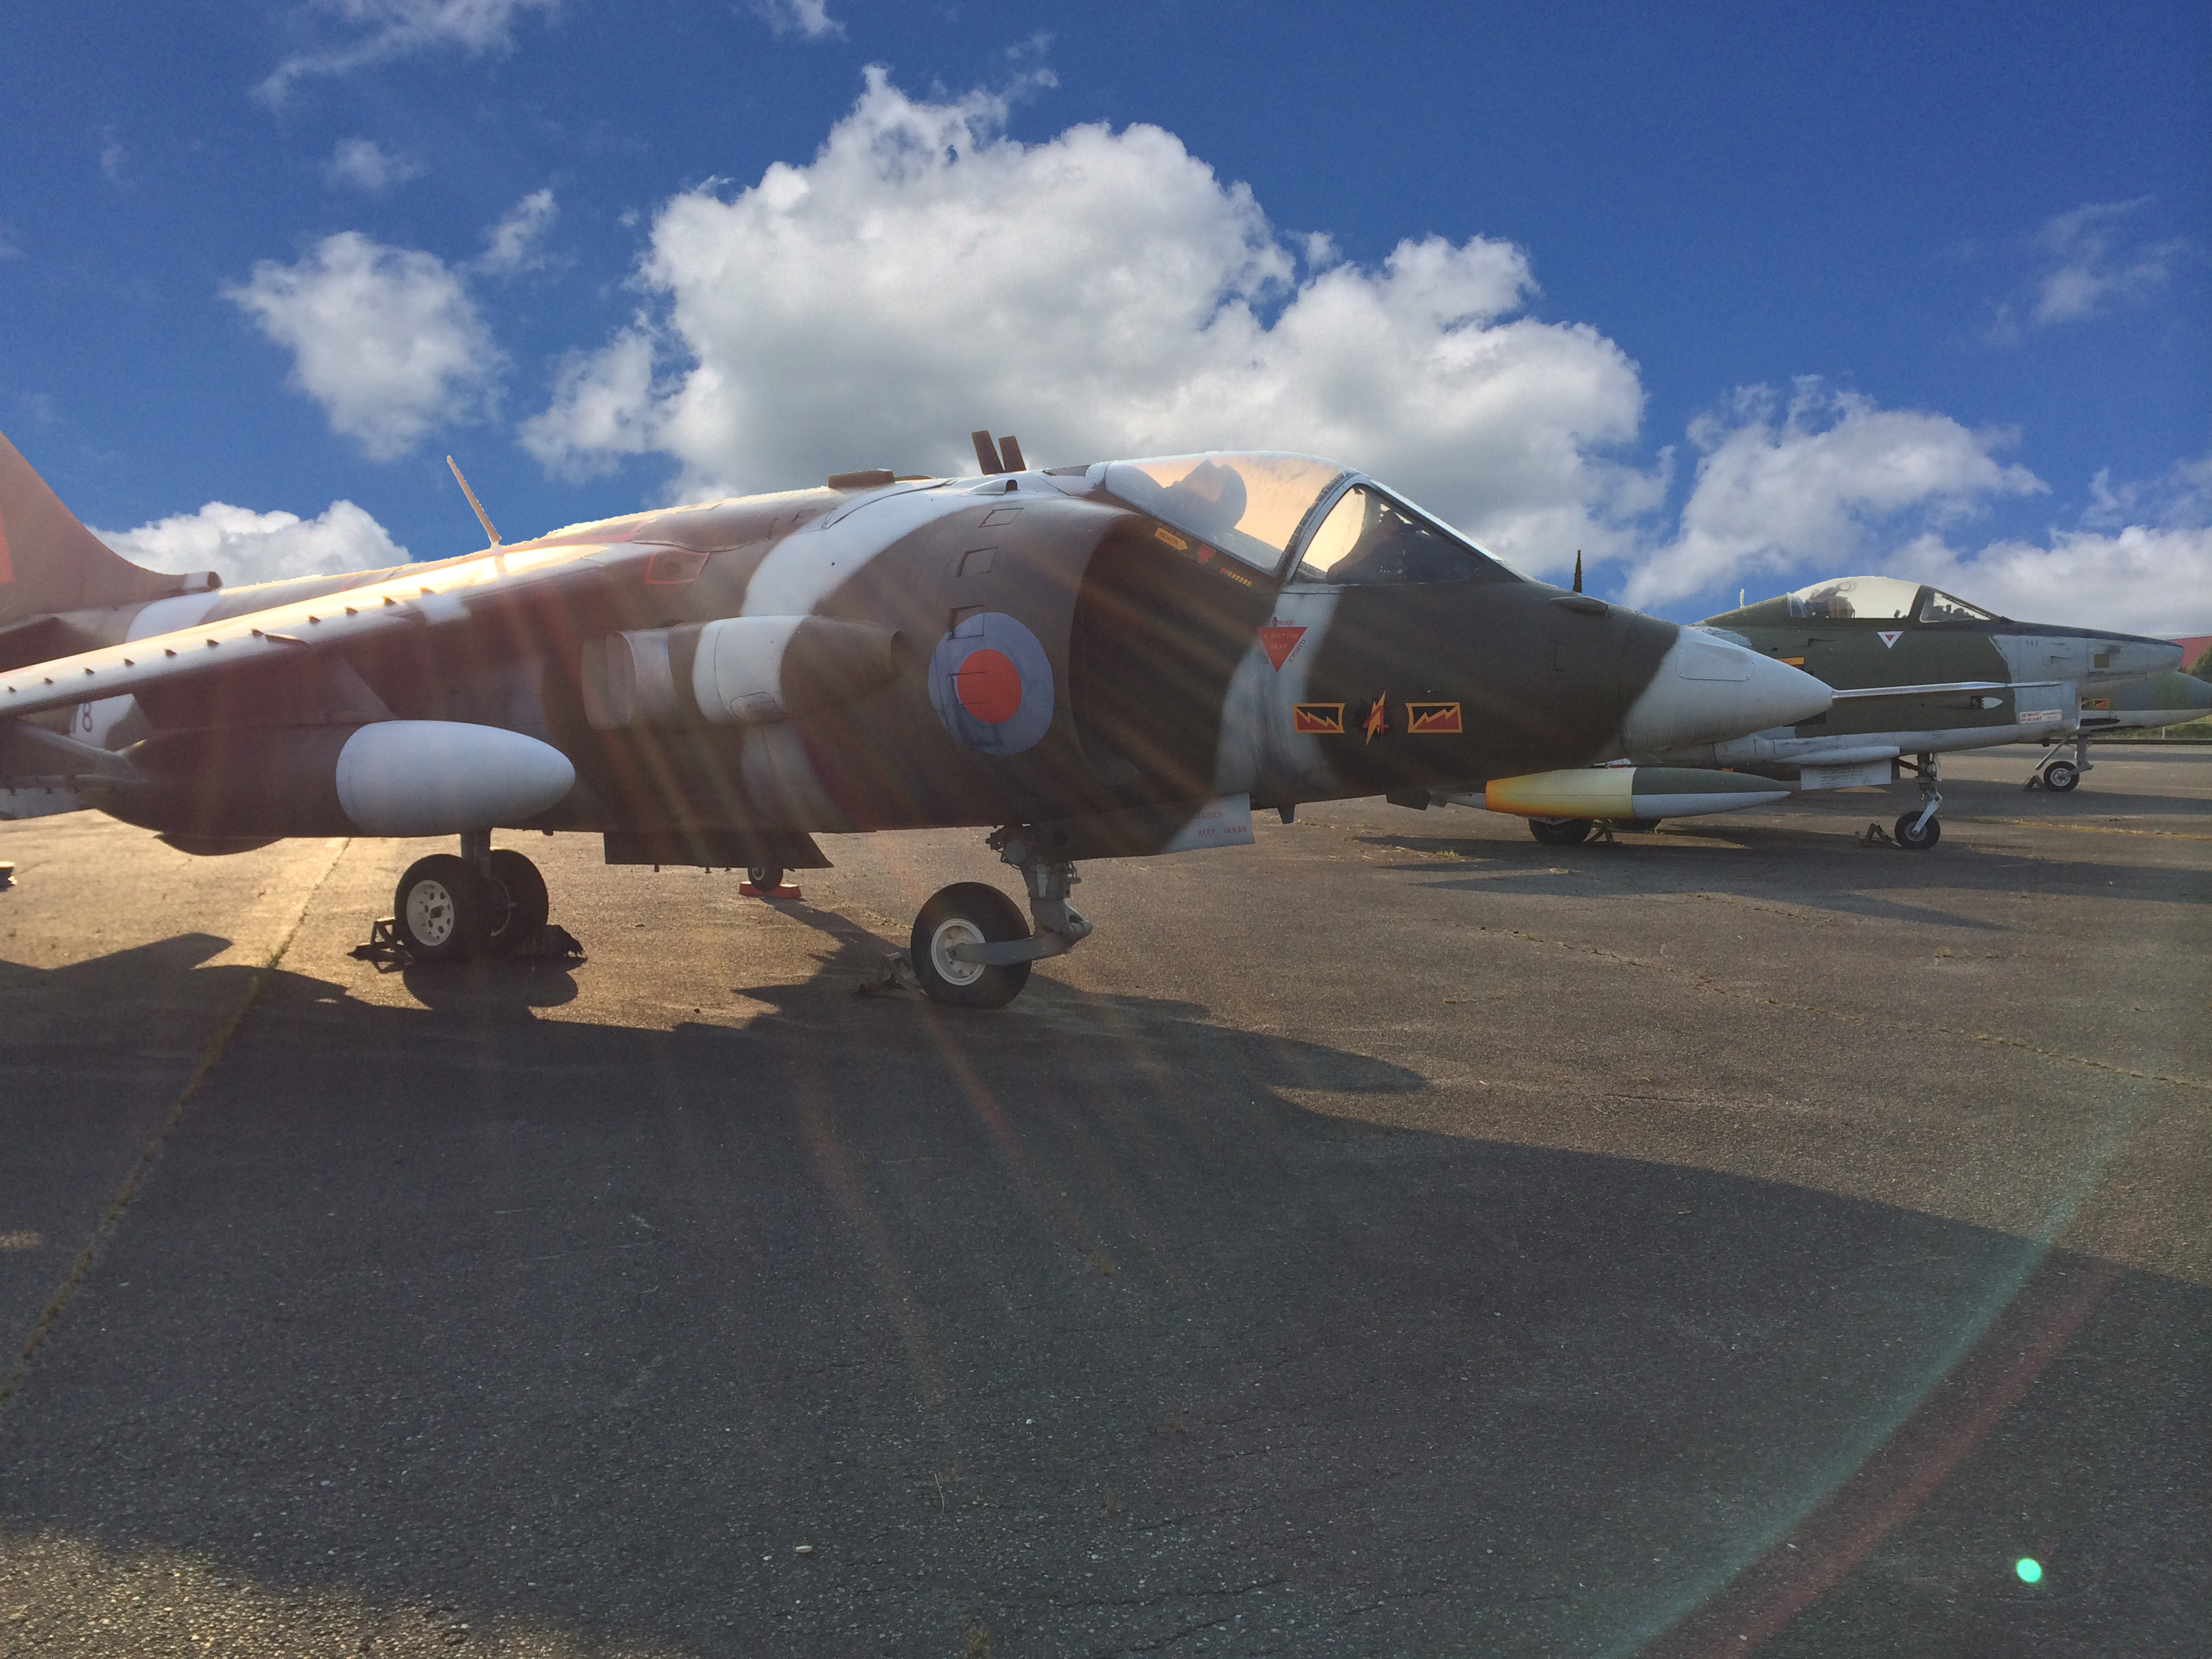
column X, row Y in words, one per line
column 1264, row 508
column 1883, row 598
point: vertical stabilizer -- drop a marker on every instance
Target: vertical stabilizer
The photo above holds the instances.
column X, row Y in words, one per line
column 50, row 562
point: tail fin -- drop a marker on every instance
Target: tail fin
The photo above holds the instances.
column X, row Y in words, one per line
column 51, row 562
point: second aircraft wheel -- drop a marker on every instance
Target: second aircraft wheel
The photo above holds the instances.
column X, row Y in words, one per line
column 2061, row 775
column 968, row 913
column 518, row 890
column 1560, row 832
column 1921, row 839
column 441, row 909
column 765, row 877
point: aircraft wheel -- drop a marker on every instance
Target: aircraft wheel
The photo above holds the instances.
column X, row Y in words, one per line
column 1560, row 832
column 765, row 877
column 441, row 909
column 517, row 887
column 968, row 913
column 2061, row 775
column 1921, row 839
column 1641, row 826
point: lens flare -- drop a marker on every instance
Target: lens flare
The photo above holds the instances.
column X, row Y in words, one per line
column 2029, row 1569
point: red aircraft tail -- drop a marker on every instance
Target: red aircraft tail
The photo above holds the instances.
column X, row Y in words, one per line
column 49, row 562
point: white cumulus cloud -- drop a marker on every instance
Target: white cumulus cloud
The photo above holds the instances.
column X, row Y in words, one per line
column 247, row 547
column 386, row 339
column 809, row 19
column 363, row 164
column 1822, row 479
column 368, row 31
column 516, row 242
column 1101, row 294
column 2142, row 580
column 2140, row 561
column 2090, row 260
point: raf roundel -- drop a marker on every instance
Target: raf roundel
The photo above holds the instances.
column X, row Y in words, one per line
column 991, row 683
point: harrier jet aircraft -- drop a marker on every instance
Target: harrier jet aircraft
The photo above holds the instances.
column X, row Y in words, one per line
column 1918, row 673
column 1093, row 662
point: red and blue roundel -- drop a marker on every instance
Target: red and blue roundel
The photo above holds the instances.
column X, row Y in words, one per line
column 991, row 683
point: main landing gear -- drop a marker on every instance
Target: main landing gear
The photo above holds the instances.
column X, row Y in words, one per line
column 2059, row 775
column 482, row 903
column 1560, row 832
column 971, row 947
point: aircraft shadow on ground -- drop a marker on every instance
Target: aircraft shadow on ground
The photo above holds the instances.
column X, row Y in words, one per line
column 1069, row 1328
column 1810, row 872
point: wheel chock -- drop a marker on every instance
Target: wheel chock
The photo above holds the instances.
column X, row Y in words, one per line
column 1876, row 837
column 896, row 979
column 787, row 892
column 385, row 948
column 550, row 943
column 389, row 953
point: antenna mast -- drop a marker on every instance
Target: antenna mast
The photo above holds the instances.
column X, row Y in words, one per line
column 483, row 518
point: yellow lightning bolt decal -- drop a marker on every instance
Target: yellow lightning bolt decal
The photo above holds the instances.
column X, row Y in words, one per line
column 1378, row 717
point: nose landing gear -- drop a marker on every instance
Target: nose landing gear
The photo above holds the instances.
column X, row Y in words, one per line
column 1918, row 831
column 2060, row 775
column 971, row 948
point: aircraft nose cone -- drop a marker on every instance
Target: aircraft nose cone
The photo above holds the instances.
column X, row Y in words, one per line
column 2145, row 656
column 1706, row 689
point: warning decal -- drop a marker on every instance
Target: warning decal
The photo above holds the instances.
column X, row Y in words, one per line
column 1278, row 642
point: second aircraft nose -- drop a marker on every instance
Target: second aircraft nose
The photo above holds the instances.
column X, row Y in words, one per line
column 1706, row 688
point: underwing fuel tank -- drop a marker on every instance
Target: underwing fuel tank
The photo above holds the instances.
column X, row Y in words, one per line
column 388, row 778
column 1626, row 791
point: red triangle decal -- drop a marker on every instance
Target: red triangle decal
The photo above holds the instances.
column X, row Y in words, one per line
column 1280, row 642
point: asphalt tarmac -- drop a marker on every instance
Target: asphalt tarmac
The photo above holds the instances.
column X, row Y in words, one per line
column 1397, row 1238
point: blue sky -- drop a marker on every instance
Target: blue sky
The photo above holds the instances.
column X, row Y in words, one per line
column 1732, row 297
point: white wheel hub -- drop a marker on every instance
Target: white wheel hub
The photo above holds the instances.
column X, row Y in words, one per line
column 954, row 930
column 430, row 916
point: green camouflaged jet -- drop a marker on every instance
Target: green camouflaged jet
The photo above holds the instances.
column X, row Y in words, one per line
column 1919, row 672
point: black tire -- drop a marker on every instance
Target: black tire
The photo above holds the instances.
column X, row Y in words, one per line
column 2061, row 777
column 765, row 877
column 972, row 911
column 441, row 909
column 1560, row 832
column 519, row 902
column 1919, row 840
column 1641, row 826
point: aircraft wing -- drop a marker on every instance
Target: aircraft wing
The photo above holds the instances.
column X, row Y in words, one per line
column 421, row 596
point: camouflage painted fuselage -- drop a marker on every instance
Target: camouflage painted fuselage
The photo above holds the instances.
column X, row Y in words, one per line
column 1990, row 680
